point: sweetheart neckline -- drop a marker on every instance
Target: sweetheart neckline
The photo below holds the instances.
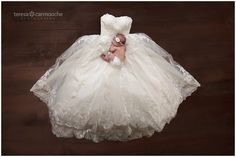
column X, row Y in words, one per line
column 116, row 17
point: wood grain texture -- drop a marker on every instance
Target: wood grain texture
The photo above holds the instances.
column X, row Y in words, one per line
column 199, row 35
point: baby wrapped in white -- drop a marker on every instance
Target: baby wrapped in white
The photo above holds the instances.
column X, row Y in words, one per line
column 116, row 61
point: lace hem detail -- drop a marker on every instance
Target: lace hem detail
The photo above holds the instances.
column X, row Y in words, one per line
column 98, row 133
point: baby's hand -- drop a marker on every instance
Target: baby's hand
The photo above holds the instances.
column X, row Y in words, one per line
column 104, row 57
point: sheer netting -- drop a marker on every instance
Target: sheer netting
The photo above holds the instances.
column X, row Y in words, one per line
column 40, row 89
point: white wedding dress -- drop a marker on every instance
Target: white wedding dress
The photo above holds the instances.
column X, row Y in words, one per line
column 93, row 99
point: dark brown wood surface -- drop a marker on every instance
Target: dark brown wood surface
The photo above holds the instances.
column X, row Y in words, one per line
column 199, row 35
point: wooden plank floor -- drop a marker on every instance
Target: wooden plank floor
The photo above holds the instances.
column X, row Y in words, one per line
column 200, row 36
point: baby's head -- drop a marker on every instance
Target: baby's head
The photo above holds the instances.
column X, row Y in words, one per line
column 119, row 40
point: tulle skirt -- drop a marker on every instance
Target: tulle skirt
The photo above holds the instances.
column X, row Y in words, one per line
column 89, row 98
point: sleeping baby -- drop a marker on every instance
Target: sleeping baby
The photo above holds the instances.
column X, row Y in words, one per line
column 116, row 53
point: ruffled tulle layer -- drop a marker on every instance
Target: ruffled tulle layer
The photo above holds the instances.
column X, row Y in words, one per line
column 89, row 98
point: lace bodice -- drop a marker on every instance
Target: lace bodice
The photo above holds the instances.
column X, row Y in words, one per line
column 111, row 25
